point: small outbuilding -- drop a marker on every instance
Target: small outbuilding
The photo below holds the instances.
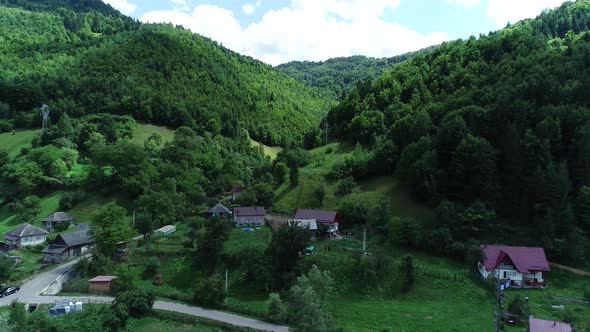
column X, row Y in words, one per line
column 219, row 211
column 165, row 230
column 25, row 235
column 542, row 325
column 249, row 216
column 236, row 192
column 64, row 307
column 53, row 219
column 101, row 284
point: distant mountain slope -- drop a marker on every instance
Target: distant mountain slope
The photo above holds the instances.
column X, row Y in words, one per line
column 84, row 57
column 337, row 76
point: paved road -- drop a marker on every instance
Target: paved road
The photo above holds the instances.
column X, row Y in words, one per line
column 31, row 289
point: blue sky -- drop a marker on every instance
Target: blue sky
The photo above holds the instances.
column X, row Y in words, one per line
column 279, row 31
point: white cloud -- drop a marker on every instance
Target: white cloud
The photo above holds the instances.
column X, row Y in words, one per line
column 504, row 11
column 306, row 30
column 123, row 6
column 250, row 8
column 464, row 3
column 181, row 4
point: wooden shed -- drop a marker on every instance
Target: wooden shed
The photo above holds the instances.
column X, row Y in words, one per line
column 101, row 284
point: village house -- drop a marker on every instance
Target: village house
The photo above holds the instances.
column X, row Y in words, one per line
column 310, row 224
column 514, row 266
column 68, row 245
column 101, row 284
column 25, row 235
column 327, row 220
column 235, row 192
column 53, row 219
column 542, row 325
column 219, row 211
column 249, row 216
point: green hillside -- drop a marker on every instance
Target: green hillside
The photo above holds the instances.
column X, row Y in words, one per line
column 498, row 125
column 337, row 76
column 85, row 61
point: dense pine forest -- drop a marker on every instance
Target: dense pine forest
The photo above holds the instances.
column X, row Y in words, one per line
column 495, row 125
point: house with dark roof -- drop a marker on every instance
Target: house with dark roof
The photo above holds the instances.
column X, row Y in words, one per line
column 25, row 235
column 249, row 216
column 53, row 219
column 328, row 220
column 514, row 266
column 68, row 245
column 542, row 325
column 235, row 192
column 219, row 211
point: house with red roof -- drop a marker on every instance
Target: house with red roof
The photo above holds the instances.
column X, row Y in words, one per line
column 249, row 216
column 542, row 325
column 324, row 219
column 514, row 266
column 235, row 192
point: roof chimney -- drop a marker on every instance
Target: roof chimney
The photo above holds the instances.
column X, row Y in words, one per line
column 554, row 323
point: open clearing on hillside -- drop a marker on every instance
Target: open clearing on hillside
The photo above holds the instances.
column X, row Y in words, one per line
column 144, row 131
column 13, row 143
column 270, row 151
column 371, row 191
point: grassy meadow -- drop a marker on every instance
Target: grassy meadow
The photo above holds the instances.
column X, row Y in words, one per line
column 12, row 143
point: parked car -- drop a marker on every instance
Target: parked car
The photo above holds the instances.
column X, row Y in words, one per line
column 9, row 290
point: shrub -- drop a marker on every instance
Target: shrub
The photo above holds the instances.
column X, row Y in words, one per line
column 6, row 126
column 151, row 268
column 587, row 294
column 62, row 226
column 345, row 186
column 210, row 292
column 138, row 302
column 66, row 201
column 158, row 280
column 276, row 311
column 75, row 286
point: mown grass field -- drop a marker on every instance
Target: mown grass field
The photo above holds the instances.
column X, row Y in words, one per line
column 144, row 131
column 13, row 143
column 270, row 151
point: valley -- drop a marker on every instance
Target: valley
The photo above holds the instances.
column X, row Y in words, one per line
column 352, row 194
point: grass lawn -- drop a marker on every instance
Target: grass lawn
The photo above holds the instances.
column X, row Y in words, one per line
column 12, row 144
column 85, row 209
column 270, row 151
column 49, row 204
column 143, row 131
column 153, row 324
column 28, row 265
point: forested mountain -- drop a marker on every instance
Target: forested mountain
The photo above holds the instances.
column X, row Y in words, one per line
column 496, row 125
column 337, row 76
column 83, row 57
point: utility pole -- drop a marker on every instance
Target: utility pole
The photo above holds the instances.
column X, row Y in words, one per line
column 226, row 282
column 133, row 218
column 326, row 127
column 364, row 240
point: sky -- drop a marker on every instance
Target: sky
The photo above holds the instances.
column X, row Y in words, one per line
column 279, row 31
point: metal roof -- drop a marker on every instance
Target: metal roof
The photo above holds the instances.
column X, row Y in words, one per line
column 541, row 325
column 320, row 216
column 249, row 211
column 525, row 259
column 25, row 229
column 58, row 216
